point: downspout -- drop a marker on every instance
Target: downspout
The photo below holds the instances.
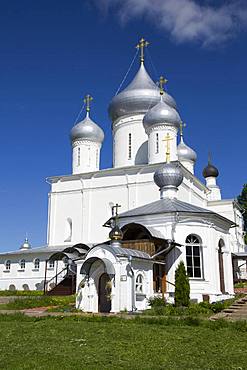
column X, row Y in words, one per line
column 133, row 285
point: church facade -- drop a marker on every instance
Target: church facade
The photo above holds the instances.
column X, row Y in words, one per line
column 167, row 214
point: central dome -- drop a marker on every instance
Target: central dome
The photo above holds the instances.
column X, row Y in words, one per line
column 138, row 97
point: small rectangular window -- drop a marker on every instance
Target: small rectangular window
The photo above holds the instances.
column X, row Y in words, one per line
column 129, row 146
column 97, row 158
column 79, row 157
column 157, row 143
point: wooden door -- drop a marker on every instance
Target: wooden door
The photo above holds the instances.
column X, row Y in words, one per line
column 104, row 293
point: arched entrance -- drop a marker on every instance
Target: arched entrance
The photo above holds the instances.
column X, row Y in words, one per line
column 104, row 293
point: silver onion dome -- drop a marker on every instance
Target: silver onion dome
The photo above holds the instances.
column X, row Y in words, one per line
column 168, row 176
column 185, row 153
column 140, row 95
column 161, row 113
column 87, row 130
column 26, row 244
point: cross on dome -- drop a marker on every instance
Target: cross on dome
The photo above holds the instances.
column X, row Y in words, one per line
column 162, row 82
column 141, row 46
column 116, row 208
column 87, row 100
column 182, row 126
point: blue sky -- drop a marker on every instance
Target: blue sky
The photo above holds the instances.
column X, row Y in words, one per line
column 54, row 52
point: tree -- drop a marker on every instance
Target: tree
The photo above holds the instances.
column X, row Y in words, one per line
column 242, row 200
column 182, row 286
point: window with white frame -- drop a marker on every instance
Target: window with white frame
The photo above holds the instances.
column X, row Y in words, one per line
column 139, row 283
column 22, row 264
column 7, row 265
column 36, row 263
column 157, row 143
column 194, row 256
column 130, row 149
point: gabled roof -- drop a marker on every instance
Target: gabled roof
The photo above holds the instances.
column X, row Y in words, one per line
column 168, row 205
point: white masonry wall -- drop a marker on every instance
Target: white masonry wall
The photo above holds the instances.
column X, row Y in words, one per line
column 30, row 276
column 86, row 200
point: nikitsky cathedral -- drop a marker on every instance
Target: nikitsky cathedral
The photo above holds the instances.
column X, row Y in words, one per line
column 115, row 236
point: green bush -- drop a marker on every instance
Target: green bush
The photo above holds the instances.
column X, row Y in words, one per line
column 182, row 287
column 156, row 302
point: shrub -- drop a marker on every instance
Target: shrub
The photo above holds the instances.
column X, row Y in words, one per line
column 182, row 286
column 156, row 302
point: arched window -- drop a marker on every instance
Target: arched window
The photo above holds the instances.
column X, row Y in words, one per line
column 68, row 230
column 12, row 287
column 7, row 265
column 25, row 287
column 139, row 283
column 194, row 256
column 22, row 264
column 36, row 263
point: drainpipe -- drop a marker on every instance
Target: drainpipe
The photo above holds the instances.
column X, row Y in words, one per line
column 133, row 285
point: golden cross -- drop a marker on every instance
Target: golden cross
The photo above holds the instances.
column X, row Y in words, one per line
column 87, row 101
column 182, row 125
column 162, row 82
column 141, row 45
column 167, row 139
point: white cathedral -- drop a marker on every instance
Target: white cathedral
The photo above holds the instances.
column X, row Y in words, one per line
column 157, row 211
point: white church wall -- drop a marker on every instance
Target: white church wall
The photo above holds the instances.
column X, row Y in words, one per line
column 89, row 205
column 228, row 209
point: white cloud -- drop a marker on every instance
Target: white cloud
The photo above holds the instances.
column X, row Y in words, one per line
column 185, row 20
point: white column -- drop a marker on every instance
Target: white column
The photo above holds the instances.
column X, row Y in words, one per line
column 86, row 156
column 129, row 142
column 215, row 193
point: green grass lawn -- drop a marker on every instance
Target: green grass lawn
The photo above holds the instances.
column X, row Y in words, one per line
column 22, row 293
column 40, row 301
column 113, row 343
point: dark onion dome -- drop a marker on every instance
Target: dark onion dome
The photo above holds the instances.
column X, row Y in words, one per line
column 87, row 130
column 140, row 95
column 185, row 153
column 210, row 171
column 161, row 113
column 168, row 176
column 116, row 233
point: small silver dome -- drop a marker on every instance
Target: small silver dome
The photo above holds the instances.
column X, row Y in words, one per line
column 161, row 113
column 87, row 130
column 185, row 153
column 26, row 244
column 168, row 176
column 137, row 97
